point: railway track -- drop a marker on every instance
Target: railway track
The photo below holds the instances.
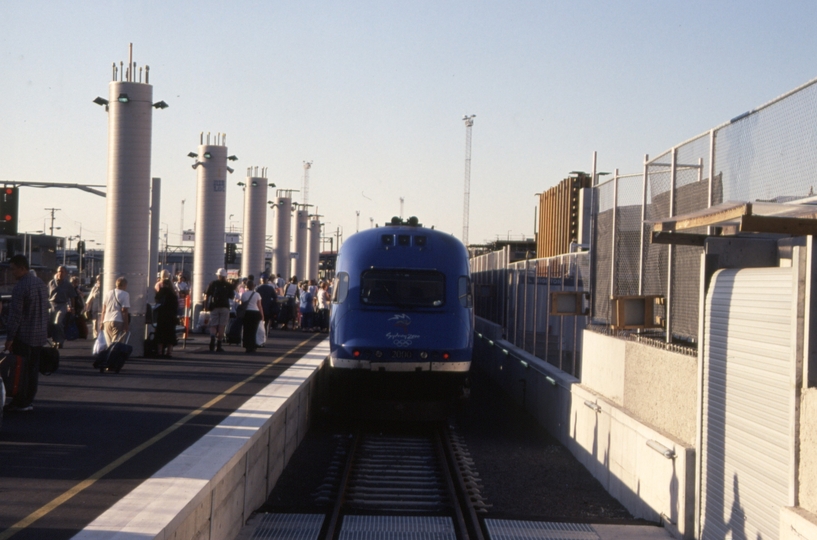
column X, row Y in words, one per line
column 423, row 481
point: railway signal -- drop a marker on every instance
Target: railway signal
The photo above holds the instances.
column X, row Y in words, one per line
column 9, row 206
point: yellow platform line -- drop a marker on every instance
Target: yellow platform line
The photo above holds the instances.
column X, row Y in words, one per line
column 91, row 480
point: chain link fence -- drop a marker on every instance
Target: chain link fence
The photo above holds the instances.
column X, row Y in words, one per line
column 522, row 304
column 767, row 154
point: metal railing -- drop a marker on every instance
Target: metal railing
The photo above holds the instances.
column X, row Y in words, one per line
column 518, row 296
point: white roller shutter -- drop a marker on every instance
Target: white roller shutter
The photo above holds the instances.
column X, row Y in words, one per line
column 746, row 443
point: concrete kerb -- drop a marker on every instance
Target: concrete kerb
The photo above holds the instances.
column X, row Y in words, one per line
column 607, row 439
column 213, row 472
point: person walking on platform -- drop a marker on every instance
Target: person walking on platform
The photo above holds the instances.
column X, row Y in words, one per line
column 27, row 329
column 93, row 306
column 61, row 295
column 324, row 302
column 291, row 294
column 269, row 301
column 160, row 280
column 166, row 318
column 115, row 312
column 253, row 315
column 307, row 308
column 80, row 319
column 217, row 299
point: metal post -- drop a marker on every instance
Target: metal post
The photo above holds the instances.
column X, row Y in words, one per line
column 575, row 317
column 561, row 319
column 643, row 226
column 613, row 239
column 525, row 309
column 711, row 186
column 505, row 264
column 547, row 313
column 512, row 315
column 670, row 248
column 535, row 303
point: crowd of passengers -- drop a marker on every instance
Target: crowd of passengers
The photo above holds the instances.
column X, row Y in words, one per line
column 62, row 310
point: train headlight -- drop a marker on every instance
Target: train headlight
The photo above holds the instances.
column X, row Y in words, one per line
column 378, row 354
column 423, row 355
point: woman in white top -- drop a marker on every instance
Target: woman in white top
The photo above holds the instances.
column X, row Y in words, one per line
column 115, row 307
column 253, row 315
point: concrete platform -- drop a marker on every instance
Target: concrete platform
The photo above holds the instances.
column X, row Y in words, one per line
column 92, row 438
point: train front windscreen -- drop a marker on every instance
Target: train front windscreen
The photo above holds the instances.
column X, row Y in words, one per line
column 402, row 288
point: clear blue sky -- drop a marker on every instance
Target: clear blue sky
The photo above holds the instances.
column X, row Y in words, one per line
column 374, row 91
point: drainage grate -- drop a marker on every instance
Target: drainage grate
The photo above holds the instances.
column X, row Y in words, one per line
column 503, row 529
column 288, row 527
column 397, row 528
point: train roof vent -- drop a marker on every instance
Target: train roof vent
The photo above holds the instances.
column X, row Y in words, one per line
column 403, row 240
column 387, row 239
column 420, row 241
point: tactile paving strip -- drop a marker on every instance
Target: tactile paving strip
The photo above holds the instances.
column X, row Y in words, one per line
column 397, row 528
column 289, row 527
column 504, row 529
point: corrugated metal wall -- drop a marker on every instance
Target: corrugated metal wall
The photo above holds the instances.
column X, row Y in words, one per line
column 559, row 216
column 748, row 403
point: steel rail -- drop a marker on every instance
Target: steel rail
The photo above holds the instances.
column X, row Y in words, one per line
column 465, row 513
column 333, row 524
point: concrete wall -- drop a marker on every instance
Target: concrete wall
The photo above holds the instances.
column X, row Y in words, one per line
column 608, row 439
column 659, row 387
column 209, row 491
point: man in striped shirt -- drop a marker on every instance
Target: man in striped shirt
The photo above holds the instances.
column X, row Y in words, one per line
column 27, row 329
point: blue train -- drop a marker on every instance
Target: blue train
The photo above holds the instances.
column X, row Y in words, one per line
column 402, row 310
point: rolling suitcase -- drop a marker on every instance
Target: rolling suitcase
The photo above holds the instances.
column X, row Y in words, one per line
column 114, row 357
column 233, row 335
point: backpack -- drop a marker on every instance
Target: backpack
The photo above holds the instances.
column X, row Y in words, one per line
column 221, row 295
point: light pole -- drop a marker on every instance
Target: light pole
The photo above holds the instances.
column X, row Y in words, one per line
column 53, row 211
column 164, row 259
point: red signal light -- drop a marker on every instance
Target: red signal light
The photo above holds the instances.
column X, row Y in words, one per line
column 356, row 353
column 9, row 191
column 7, row 217
column 446, row 356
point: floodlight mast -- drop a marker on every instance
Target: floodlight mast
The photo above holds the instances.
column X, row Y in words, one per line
column 469, row 122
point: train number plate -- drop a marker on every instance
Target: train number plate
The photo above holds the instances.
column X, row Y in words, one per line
column 401, row 354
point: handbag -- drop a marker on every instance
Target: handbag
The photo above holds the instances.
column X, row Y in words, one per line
column 241, row 308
